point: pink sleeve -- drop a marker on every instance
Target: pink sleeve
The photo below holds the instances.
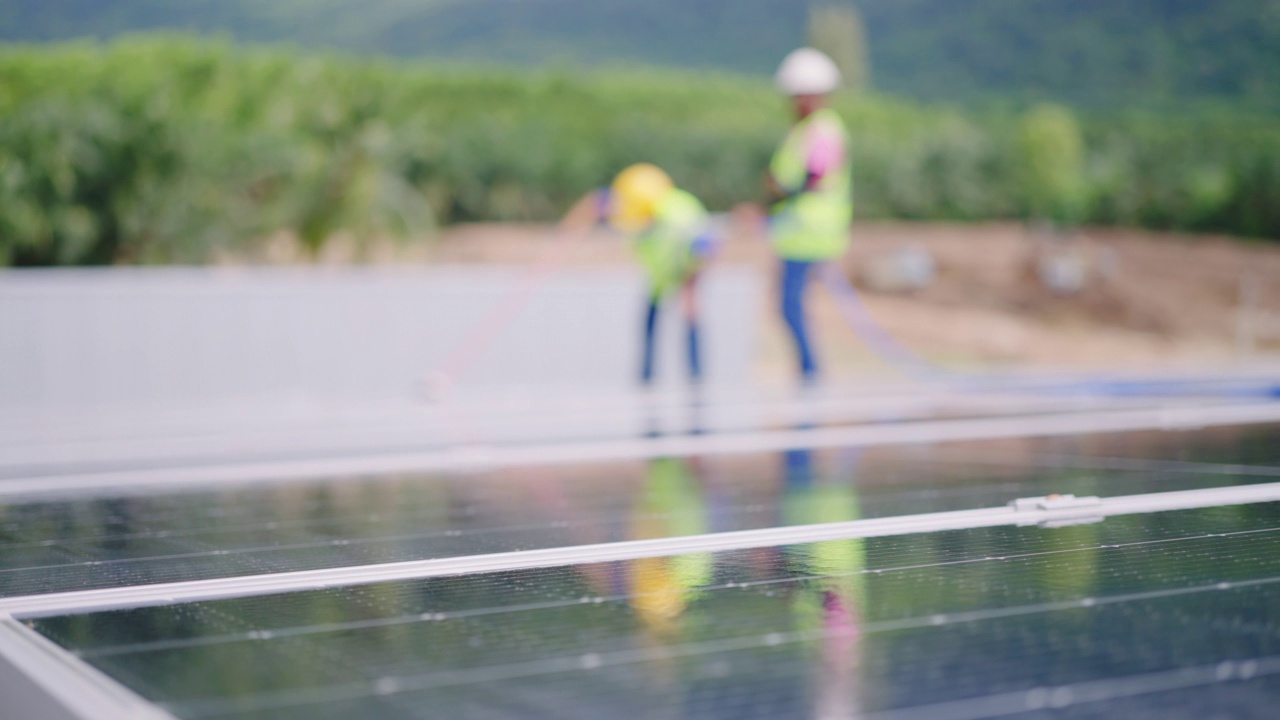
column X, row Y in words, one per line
column 826, row 150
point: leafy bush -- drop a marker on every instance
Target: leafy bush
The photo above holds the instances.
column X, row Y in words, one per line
column 162, row 149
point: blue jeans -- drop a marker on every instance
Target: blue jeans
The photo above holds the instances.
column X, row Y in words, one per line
column 795, row 276
column 650, row 331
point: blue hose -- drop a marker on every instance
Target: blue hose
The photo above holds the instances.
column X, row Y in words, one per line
column 887, row 348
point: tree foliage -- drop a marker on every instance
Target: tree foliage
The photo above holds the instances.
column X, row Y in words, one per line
column 1052, row 151
column 163, row 149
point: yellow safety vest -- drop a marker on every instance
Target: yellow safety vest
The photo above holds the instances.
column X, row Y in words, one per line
column 811, row 224
column 665, row 248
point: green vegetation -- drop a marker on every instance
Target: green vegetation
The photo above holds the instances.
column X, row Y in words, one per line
column 164, row 149
column 1052, row 152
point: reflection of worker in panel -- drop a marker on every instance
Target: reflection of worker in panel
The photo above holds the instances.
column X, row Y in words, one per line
column 673, row 238
column 829, row 600
column 809, row 183
column 672, row 506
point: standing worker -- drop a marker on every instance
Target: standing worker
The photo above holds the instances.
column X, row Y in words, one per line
column 672, row 237
column 810, row 189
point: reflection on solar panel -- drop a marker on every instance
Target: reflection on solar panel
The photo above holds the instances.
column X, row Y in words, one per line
column 69, row 544
column 916, row 594
column 959, row 624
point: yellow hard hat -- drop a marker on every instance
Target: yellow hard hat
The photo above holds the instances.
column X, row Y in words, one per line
column 636, row 194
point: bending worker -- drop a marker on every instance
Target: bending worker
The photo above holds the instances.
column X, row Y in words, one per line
column 810, row 189
column 672, row 237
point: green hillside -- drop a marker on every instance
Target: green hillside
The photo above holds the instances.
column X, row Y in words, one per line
column 1094, row 52
column 1158, row 53
column 335, row 23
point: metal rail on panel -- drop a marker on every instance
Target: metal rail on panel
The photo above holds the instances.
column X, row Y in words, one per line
column 1049, row 511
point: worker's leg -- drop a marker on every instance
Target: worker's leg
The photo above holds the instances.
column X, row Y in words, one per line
column 650, row 330
column 689, row 302
column 795, row 275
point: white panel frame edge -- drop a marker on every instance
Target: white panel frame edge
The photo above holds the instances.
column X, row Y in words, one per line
column 41, row 681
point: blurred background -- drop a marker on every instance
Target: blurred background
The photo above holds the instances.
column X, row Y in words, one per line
column 1038, row 182
column 282, row 289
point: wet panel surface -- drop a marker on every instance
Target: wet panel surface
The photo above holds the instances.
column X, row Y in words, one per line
column 1163, row 615
column 52, row 546
column 1253, row 449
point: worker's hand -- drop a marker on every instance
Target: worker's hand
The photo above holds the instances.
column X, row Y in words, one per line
column 773, row 192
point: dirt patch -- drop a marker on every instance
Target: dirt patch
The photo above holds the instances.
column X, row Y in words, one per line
column 1144, row 299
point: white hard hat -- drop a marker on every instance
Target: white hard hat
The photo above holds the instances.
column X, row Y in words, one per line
column 807, row 72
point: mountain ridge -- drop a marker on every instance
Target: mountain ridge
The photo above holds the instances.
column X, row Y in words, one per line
column 1102, row 53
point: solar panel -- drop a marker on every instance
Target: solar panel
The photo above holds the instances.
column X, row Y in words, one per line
column 53, row 545
column 1136, row 612
column 763, row 569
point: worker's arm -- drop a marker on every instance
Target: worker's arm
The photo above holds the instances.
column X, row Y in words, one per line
column 586, row 213
column 824, row 154
column 773, row 190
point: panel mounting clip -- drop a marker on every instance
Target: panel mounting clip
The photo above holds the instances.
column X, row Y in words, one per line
column 1062, row 507
column 1054, row 502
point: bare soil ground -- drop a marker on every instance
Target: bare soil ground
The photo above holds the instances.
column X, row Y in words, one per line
column 1148, row 299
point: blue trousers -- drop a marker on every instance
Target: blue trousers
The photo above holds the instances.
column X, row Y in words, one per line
column 650, row 331
column 795, row 276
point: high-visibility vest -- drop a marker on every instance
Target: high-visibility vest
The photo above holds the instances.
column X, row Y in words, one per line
column 665, row 248
column 811, row 224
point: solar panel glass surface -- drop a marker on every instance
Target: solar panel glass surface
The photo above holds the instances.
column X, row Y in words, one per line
column 77, row 543
column 1159, row 615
